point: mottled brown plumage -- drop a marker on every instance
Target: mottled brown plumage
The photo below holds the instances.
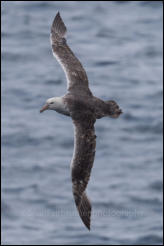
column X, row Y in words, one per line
column 84, row 109
column 82, row 162
column 76, row 76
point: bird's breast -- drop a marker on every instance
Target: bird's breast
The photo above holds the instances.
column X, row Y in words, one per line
column 63, row 110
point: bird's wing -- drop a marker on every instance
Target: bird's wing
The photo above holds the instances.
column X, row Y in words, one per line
column 75, row 73
column 82, row 161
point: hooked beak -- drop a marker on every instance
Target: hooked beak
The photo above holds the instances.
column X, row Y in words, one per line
column 45, row 107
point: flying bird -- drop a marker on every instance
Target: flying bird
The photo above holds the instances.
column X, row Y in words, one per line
column 84, row 108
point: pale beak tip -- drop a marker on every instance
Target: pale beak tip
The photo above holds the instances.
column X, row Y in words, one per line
column 45, row 107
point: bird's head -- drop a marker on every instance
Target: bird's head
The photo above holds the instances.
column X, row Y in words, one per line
column 51, row 103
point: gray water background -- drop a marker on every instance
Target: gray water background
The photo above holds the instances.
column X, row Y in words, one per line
column 120, row 46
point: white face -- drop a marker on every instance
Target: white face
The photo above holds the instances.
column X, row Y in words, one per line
column 50, row 104
column 53, row 103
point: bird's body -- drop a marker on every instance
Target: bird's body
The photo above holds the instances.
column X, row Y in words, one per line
column 100, row 108
column 84, row 108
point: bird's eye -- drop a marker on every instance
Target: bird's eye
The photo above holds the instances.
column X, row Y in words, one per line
column 51, row 102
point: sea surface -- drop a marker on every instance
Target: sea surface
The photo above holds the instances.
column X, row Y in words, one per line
column 120, row 45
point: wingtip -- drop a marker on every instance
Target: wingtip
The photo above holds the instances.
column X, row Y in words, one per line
column 58, row 26
column 88, row 227
column 58, row 13
column 84, row 208
column 86, row 222
column 57, row 16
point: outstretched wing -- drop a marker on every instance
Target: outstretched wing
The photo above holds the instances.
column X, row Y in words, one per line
column 82, row 162
column 75, row 73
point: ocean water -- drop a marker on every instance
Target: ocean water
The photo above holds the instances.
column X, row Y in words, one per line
column 120, row 46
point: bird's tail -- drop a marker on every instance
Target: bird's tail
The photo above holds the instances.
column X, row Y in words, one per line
column 113, row 109
column 84, row 208
column 58, row 28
